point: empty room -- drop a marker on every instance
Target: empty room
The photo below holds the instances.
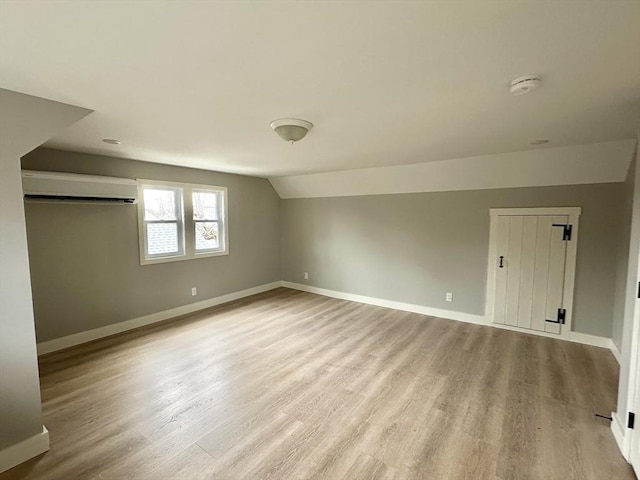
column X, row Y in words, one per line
column 334, row 240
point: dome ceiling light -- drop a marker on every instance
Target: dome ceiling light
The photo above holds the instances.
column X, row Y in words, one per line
column 291, row 129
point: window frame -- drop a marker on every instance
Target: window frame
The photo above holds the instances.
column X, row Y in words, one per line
column 186, row 222
column 221, row 203
column 179, row 221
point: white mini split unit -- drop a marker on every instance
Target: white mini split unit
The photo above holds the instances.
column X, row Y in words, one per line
column 71, row 187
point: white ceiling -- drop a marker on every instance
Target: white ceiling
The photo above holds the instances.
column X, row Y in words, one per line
column 385, row 83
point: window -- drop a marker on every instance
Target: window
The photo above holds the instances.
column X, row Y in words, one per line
column 163, row 221
column 181, row 221
column 206, row 220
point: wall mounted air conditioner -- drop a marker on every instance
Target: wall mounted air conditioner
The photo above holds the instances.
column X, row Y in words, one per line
column 73, row 187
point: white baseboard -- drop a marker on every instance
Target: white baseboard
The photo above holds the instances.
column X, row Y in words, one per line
column 618, row 429
column 448, row 314
column 25, row 450
column 108, row 330
column 587, row 339
column 575, row 337
column 97, row 333
column 380, row 302
column 616, row 352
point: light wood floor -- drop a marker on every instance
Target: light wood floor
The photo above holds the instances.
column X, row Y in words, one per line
column 289, row 385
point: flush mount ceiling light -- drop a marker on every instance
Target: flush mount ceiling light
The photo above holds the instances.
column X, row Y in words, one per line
column 524, row 84
column 291, row 129
column 111, row 141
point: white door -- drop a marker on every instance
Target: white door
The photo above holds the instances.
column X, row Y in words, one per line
column 634, row 454
column 530, row 271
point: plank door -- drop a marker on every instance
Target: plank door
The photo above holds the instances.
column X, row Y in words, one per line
column 634, row 378
column 530, row 271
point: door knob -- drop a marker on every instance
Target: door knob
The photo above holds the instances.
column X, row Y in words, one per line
column 501, row 265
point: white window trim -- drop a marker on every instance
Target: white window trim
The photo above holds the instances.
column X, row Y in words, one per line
column 188, row 224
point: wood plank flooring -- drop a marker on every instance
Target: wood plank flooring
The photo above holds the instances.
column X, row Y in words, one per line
column 289, row 385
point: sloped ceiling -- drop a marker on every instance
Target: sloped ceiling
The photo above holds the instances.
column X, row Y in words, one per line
column 606, row 162
column 196, row 83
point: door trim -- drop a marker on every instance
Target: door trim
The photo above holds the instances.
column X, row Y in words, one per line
column 494, row 212
column 569, row 275
column 631, row 437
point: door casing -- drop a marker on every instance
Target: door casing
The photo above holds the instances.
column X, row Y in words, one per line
column 573, row 213
column 633, row 444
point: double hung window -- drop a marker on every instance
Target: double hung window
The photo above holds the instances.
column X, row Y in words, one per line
column 181, row 221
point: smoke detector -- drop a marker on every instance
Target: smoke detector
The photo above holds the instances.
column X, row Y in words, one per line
column 524, row 84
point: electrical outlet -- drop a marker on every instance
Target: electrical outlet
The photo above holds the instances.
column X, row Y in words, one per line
column 449, row 297
column 306, row 275
column 194, row 291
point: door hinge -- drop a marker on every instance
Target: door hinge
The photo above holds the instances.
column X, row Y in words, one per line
column 562, row 315
column 631, row 420
column 566, row 230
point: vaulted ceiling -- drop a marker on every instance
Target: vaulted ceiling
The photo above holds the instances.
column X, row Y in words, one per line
column 196, row 83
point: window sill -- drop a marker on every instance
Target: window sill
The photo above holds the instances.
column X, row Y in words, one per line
column 182, row 258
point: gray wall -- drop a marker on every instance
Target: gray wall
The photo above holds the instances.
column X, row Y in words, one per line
column 623, row 254
column 25, row 122
column 415, row 247
column 84, row 259
column 410, row 247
